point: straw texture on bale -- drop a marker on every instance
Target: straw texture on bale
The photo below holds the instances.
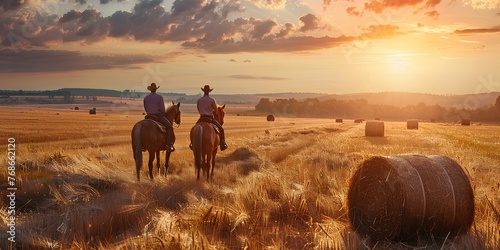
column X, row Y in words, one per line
column 409, row 197
column 412, row 124
column 465, row 122
column 374, row 128
column 270, row 118
column 339, row 120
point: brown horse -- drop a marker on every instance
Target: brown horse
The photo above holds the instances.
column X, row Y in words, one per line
column 146, row 135
column 205, row 142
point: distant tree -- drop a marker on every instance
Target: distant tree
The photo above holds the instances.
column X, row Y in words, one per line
column 497, row 104
column 264, row 105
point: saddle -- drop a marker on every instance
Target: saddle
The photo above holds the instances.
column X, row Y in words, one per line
column 208, row 119
column 154, row 119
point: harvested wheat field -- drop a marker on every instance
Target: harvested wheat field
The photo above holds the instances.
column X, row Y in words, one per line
column 280, row 185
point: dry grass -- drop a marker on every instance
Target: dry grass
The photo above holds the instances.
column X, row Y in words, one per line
column 281, row 185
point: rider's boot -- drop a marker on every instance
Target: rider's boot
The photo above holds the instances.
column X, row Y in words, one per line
column 170, row 145
column 223, row 144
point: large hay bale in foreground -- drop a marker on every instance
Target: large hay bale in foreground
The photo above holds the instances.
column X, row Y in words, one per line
column 374, row 128
column 270, row 118
column 412, row 124
column 465, row 122
column 410, row 197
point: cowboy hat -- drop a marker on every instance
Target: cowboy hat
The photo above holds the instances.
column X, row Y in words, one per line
column 206, row 89
column 153, row 87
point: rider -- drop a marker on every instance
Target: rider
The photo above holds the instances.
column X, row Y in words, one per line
column 207, row 107
column 154, row 105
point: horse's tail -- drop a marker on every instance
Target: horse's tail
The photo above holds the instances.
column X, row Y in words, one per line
column 197, row 146
column 137, row 147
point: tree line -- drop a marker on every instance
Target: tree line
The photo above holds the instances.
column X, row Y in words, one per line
column 361, row 109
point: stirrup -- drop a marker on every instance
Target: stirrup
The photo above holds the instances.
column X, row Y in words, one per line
column 223, row 146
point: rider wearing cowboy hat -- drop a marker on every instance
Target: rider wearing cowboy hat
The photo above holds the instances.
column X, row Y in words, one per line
column 154, row 105
column 207, row 107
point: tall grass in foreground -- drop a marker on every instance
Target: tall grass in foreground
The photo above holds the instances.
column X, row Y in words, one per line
column 285, row 189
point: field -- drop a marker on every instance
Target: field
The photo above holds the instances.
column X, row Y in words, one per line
column 280, row 185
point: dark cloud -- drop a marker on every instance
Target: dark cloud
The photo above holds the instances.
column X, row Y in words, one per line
column 58, row 61
column 309, row 22
column 11, row 4
column 495, row 29
column 262, row 28
column 196, row 24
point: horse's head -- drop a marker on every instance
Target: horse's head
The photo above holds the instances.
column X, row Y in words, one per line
column 220, row 114
column 173, row 113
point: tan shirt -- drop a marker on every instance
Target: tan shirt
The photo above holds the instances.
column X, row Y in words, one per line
column 207, row 105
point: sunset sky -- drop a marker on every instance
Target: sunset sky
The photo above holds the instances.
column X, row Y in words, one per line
column 252, row 46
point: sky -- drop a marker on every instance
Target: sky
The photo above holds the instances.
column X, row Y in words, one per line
column 252, row 46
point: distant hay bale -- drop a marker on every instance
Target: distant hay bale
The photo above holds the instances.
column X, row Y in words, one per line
column 77, row 108
column 465, row 122
column 374, row 128
column 339, row 120
column 93, row 111
column 409, row 197
column 412, row 124
column 359, row 120
column 270, row 118
column 377, row 119
column 433, row 120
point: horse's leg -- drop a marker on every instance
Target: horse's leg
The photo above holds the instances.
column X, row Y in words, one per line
column 213, row 163
column 167, row 159
column 158, row 162
column 150, row 163
column 209, row 160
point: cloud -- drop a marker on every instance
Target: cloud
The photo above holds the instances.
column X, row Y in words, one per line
column 378, row 6
column 310, row 22
column 196, row 24
column 495, row 29
column 353, row 11
column 433, row 13
column 59, row 61
column 482, row 4
column 272, row 78
column 11, row 4
column 269, row 4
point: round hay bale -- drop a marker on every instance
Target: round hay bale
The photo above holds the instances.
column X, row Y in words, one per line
column 374, row 128
column 377, row 119
column 77, row 108
column 93, row 111
column 465, row 122
column 410, row 197
column 359, row 120
column 339, row 120
column 412, row 124
column 270, row 118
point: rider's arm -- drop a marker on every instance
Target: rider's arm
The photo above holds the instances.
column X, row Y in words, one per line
column 214, row 106
column 161, row 104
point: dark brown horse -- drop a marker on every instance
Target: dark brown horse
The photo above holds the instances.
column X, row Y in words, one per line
column 146, row 135
column 205, row 142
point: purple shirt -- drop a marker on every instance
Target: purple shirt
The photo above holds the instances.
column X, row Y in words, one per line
column 206, row 105
column 153, row 104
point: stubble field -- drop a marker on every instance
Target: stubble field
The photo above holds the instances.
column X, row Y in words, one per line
column 280, row 185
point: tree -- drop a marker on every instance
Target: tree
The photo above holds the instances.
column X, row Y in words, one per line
column 497, row 104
